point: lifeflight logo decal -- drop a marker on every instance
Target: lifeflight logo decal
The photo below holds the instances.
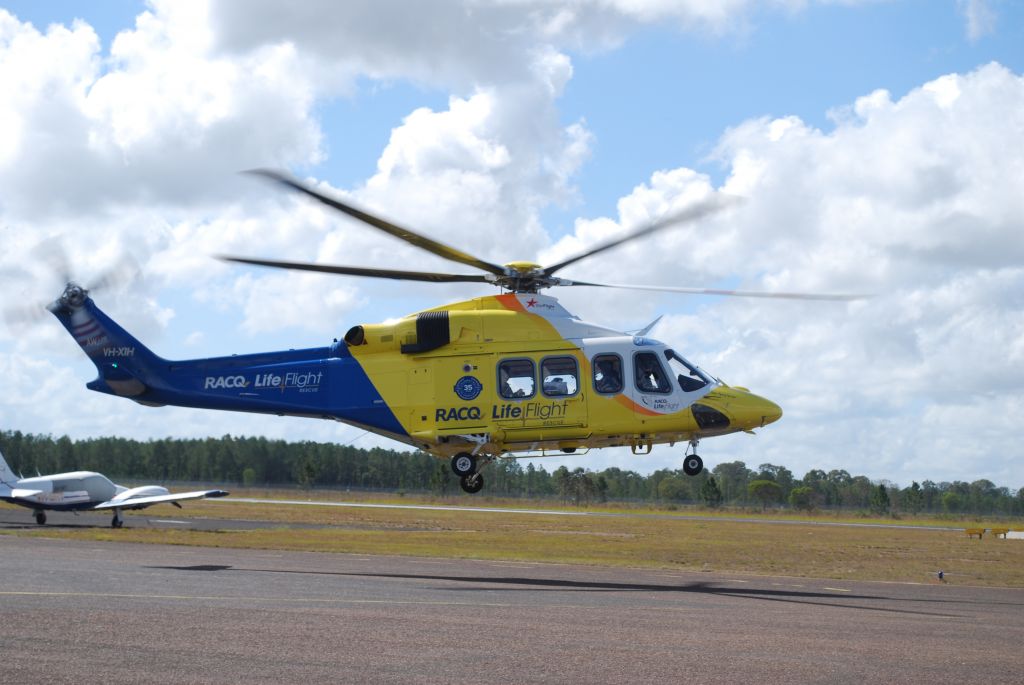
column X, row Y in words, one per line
column 303, row 381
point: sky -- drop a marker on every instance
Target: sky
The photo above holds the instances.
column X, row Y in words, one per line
column 878, row 146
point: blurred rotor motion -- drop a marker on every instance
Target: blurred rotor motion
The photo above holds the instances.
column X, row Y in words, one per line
column 50, row 254
column 517, row 277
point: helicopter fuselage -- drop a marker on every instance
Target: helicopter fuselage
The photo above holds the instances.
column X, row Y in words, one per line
column 492, row 375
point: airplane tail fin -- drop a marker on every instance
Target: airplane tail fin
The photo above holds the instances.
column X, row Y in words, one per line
column 124, row 363
column 7, row 476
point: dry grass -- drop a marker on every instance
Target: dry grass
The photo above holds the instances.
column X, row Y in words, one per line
column 708, row 544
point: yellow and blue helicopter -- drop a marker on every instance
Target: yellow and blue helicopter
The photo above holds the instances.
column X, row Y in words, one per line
column 471, row 382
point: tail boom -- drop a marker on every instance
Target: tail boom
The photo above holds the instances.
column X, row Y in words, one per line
column 321, row 382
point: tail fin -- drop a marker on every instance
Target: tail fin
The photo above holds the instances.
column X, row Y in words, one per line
column 124, row 363
column 7, row 476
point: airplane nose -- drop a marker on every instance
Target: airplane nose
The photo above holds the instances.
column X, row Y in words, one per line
column 755, row 412
column 771, row 412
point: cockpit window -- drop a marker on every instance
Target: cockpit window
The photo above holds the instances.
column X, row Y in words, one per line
column 607, row 373
column 689, row 377
column 649, row 375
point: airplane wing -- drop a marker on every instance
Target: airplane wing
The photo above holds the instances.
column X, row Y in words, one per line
column 141, row 502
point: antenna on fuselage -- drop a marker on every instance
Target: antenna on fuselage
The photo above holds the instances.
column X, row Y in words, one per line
column 646, row 329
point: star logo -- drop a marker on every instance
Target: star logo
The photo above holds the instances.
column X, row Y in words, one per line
column 531, row 302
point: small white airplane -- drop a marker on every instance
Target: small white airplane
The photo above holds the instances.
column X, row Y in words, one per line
column 81, row 490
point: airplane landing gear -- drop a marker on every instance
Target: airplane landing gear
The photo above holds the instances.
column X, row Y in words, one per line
column 464, row 465
column 117, row 521
column 473, row 483
column 692, row 464
column 41, row 518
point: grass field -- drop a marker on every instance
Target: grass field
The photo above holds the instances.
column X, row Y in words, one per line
column 665, row 540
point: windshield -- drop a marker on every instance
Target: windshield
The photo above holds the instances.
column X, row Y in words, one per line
column 689, row 376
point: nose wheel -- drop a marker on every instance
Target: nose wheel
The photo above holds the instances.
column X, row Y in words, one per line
column 692, row 464
column 41, row 518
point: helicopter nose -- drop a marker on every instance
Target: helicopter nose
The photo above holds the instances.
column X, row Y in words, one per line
column 755, row 411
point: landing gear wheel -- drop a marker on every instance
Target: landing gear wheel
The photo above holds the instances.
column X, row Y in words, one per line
column 41, row 518
column 116, row 522
column 464, row 464
column 692, row 465
column 473, row 483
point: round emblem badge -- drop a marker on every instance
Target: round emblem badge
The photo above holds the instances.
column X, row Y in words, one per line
column 468, row 388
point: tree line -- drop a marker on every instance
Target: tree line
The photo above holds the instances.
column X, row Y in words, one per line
column 258, row 461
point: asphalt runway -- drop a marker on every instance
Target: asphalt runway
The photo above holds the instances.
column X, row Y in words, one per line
column 124, row 613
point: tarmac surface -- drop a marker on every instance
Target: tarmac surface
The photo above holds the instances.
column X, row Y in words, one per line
column 119, row 612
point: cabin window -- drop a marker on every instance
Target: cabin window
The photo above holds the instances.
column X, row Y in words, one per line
column 560, row 376
column 516, row 378
column 649, row 374
column 607, row 373
column 689, row 377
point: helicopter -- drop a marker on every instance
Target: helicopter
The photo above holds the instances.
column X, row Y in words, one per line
column 470, row 382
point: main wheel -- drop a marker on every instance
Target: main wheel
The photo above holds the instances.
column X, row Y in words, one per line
column 464, row 464
column 116, row 522
column 41, row 518
column 472, row 484
column 692, row 465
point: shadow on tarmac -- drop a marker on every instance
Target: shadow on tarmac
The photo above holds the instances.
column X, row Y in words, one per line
column 519, row 584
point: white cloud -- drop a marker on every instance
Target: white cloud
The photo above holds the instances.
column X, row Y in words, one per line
column 162, row 121
column 980, row 18
column 455, row 45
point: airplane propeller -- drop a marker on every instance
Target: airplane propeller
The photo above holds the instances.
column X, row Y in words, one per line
column 518, row 277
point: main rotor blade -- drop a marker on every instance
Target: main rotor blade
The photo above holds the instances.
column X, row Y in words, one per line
column 361, row 271
column 405, row 234
column 836, row 297
column 714, row 204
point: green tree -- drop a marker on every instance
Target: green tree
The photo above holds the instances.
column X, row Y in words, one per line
column 912, row 499
column 673, row 489
column 733, row 478
column 563, row 483
column 306, row 471
column 879, row 501
column 765, row 491
column 710, row 495
column 779, row 474
column 440, row 477
column 802, row 498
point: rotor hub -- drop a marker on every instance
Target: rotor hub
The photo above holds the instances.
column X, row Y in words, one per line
column 524, row 277
column 73, row 296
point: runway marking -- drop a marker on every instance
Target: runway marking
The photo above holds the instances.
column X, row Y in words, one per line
column 182, row 523
column 836, row 589
column 422, row 507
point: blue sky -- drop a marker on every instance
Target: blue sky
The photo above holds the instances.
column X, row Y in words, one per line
column 617, row 94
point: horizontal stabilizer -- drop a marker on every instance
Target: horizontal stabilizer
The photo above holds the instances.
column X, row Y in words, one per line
column 139, row 502
column 19, row 493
